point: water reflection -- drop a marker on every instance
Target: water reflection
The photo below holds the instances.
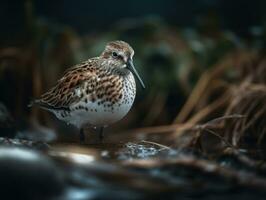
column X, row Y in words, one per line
column 75, row 157
column 18, row 153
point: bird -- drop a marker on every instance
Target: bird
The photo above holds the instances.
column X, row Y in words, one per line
column 97, row 92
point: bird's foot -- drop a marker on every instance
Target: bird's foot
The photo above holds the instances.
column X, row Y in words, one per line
column 101, row 134
column 81, row 136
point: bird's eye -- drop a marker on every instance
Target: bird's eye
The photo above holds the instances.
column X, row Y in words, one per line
column 114, row 54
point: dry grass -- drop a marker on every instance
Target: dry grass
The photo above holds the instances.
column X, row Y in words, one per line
column 240, row 105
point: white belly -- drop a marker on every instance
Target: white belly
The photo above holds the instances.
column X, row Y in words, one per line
column 98, row 115
column 91, row 113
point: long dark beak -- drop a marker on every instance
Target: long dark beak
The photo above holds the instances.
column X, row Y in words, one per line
column 131, row 68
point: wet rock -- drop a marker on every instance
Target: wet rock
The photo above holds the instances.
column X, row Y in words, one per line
column 23, row 143
column 26, row 174
column 199, row 178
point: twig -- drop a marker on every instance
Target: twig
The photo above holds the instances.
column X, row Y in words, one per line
column 220, row 137
column 181, row 127
column 234, row 116
column 157, row 144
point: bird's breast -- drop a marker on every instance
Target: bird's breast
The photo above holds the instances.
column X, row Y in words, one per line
column 108, row 103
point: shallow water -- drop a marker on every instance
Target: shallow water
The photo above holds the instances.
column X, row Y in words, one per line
column 123, row 171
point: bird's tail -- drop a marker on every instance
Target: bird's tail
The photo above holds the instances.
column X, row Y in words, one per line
column 39, row 103
column 44, row 105
column 32, row 103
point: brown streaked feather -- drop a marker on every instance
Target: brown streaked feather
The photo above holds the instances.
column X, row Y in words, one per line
column 63, row 94
column 99, row 85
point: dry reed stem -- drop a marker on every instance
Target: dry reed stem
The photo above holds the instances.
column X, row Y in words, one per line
column 247, row 100
column 212, row 107
column 201, row 87
column 156, row 144
column 179, row 129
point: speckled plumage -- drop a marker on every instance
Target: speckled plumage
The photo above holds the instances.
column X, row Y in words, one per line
column 97, row 92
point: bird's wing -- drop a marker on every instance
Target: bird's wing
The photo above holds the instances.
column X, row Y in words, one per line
column 61, row 96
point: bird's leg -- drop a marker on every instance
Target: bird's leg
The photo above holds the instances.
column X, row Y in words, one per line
column 81, row 135
column 101, row 135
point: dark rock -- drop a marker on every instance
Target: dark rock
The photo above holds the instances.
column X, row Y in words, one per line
column 26, row 174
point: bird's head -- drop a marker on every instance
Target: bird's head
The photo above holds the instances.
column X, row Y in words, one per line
column 119, row 55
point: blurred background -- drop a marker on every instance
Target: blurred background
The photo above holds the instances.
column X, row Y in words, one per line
column 175, row 43
column 198, row 129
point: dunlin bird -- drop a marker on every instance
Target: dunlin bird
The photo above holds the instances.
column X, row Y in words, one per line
column 97, row 92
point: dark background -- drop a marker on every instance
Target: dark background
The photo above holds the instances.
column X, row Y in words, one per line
column 89, row 16
column 175, row 42
column 197, row 130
